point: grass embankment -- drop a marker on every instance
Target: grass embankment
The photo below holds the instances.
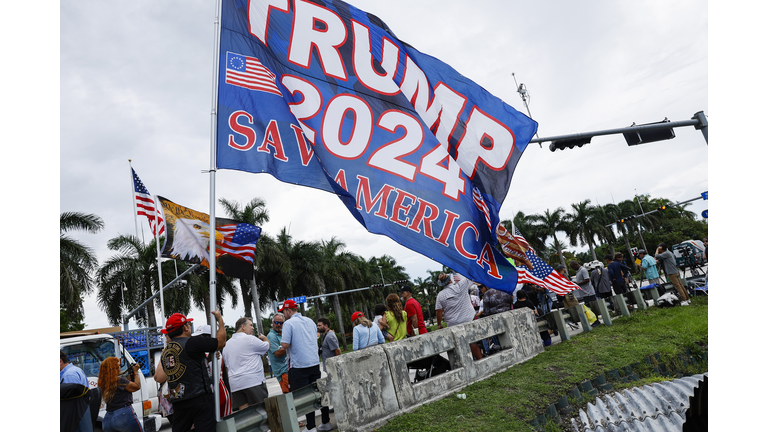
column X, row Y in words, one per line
column 508, row 401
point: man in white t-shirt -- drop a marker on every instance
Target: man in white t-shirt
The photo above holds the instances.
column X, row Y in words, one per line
column 454, row 302
column 242, row 357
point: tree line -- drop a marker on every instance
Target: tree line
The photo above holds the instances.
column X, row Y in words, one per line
column 597, row 227
column 285, row 267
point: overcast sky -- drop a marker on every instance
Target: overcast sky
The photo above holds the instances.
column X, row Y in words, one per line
column 136, row 84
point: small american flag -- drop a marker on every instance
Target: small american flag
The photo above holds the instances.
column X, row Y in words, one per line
column 145, row 205
column 248, row 72
column 239, row 240
column 542, row 274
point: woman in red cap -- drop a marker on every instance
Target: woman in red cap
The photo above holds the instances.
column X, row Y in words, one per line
column 364, row 334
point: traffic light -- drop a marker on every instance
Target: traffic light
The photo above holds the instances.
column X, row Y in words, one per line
column 620, row 221
column 399, row 282
column 570, row 143
column 646, row 136
column 377, row 286
column 662, row 208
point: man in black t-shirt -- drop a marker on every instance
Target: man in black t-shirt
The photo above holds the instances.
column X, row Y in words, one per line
column 184, row 363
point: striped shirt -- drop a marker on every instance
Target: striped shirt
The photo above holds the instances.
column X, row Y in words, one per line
column 455, row 302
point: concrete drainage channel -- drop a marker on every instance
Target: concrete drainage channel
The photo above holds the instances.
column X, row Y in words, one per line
column 660, row 406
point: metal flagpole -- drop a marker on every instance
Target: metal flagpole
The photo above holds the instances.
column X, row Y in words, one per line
column 212, row 215
column 133, row 199
column 159, row 266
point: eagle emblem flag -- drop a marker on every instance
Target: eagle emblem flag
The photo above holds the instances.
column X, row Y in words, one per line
column 188, row 237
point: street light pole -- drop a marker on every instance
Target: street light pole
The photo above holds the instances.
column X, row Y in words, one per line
column 638, row 222
column 383, row 283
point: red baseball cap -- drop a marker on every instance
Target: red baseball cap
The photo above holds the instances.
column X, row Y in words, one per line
column 357, row 315
column 174, row 322
column 290, row 304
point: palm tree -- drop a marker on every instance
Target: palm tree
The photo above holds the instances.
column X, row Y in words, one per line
column 340, row 271
column 390, row 270
column 529, row 229
column 552, row 223
column 254, row 213
column 272, row 271
column 606, row 217
column 76, row 262
column 305, row 265
column 584, row 226
column 130, row 277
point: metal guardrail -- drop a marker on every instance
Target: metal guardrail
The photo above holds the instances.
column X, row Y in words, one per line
column 277, row 413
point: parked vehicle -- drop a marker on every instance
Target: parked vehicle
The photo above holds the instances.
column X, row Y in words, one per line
column 88, row 351
column 689, row 253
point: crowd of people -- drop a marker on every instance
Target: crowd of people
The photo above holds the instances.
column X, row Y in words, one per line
column 296, row 345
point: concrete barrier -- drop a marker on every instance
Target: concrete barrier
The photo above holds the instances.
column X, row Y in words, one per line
column 518, row 334
column 360, row 388
column 408, row 350
column 370, row 386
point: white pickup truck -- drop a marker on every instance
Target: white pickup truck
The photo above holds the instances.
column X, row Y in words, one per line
column 87, row 353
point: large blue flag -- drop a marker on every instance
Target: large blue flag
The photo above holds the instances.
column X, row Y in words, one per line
column 324, row 95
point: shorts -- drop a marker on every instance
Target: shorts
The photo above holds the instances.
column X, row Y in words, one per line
column 199, row 411
column 284, row 383
column 251, row 396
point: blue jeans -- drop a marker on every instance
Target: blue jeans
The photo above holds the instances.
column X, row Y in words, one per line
column 545, row 302
column 122, row 420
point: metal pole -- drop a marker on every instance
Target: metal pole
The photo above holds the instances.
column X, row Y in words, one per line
column 639, row 225
column 667, row 125
column 171, row 283
column 212, row 216
column 159, row 262
column 703, row 125
column 133, row 200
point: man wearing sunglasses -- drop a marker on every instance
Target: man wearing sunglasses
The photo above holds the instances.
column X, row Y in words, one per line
column 277, row 357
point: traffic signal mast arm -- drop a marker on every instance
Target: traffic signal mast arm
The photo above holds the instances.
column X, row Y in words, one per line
column 637, row 134
column 664, row 207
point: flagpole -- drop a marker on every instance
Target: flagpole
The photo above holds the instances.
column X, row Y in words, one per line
column 212, row 215
column 133, row 199
column 159, row 267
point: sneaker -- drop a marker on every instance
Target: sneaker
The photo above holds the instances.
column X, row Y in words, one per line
column 685, row 303
column 325, row 427
column 310, row 430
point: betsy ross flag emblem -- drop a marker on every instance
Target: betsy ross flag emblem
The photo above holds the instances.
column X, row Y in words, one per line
column 248, row 72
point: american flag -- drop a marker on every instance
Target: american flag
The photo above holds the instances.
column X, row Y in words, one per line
column 542, row 274
column 239, row 240
column 145, row 205
column 248, row 72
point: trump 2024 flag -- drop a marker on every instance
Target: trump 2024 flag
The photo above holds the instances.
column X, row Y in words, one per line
column 415, row 150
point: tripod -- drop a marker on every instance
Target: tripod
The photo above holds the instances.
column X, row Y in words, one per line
column 691, row 263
